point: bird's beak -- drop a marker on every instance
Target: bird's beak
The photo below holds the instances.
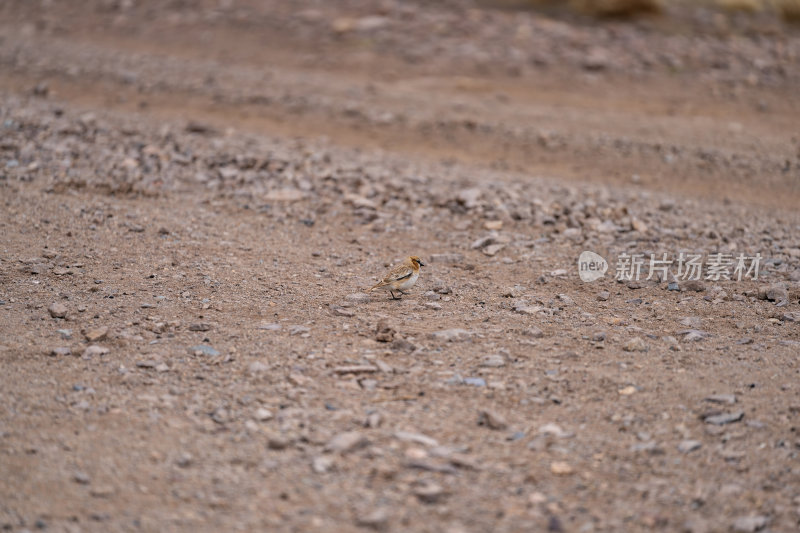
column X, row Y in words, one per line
column 421, row 263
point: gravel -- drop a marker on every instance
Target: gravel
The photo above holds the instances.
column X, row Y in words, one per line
column 205, row 224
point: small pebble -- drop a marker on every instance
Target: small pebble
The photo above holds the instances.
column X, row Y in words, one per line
column 687, row 446
column 262, row 414
column 57, row 310
column 429, row 492
column 725, row 418
column 377, row 519
column 635, row 344
column 750, row 524
column 81, row 477
column 94, row 351
column 561, row 468
column 202, row 349
column 492, row 420
column 346, row 442
column 96, row 334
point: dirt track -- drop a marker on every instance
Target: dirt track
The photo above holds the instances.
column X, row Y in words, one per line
column 206, row 192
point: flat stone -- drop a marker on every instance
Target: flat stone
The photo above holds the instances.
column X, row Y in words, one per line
column 355, row 369
column 693, row 286
column 384, row 367
column 596, row 58
column 793, row 316
column 278, row 442
column 694, row 322
column 346, row 442
column 359, row 202
column 513, row 292
column 322, row 464
column 431, row 296
column 200, row 326
column 96, row 334
column 257, row 367
column 750, row 524
column 429, row 492
column 721, row 398
column 493, row 225
column 492, row 420
column 57, row 310
column 81, row 477
column 652, row 447
column 693, row 335
column 417, row 438
column 533, row 332
column 358, row 298
column 599, row 336
column 102, row 491
column 555, row 430
column 561, row 468
column 94, row 351
column 371, row 23
column 776, row 292
column 527, row 309
column 482, row 242
column 687, row 446
column 184, row 460
column 299, row 380
column 299, row 330
column 373, row 420
column 383, row 331
column 203, row 349
column 493, row 361
column 725, row 418
column 285, row 195
column 493, row 249
column 452, row 335
column 566, row 299
column 262, row 414
column 377, row 519
column 635, row 344
column 469, row 198
column 61, row 351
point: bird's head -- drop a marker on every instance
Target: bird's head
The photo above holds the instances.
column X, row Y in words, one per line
column 415, row 261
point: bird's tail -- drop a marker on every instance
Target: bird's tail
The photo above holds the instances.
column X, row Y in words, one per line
column 377, row 286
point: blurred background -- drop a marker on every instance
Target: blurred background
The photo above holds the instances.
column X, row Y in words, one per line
column 583, row 89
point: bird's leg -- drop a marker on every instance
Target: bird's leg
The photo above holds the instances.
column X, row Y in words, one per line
column 393, row 296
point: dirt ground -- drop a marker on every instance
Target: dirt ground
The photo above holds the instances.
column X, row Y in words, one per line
column 195, row 196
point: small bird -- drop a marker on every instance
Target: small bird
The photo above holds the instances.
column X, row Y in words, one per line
column 401, row 278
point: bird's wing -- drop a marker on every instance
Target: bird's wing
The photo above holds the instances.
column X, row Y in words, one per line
column 398, row 274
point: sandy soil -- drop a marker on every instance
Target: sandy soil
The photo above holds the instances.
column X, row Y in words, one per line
column 194, row 199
